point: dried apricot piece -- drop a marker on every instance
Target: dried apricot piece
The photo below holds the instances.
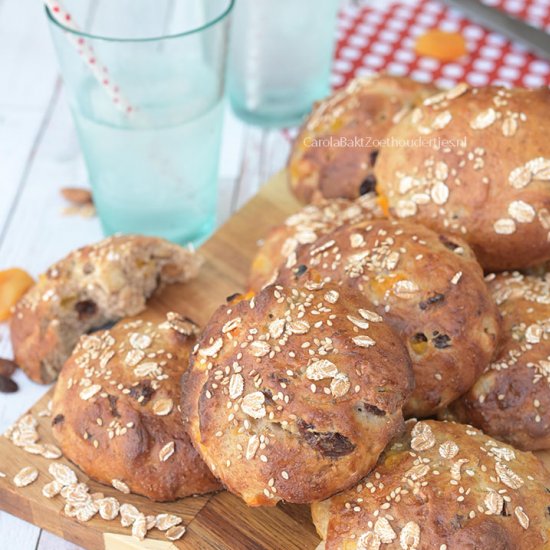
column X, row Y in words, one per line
column 13, row 284
column 384, row 205
column 442, row 45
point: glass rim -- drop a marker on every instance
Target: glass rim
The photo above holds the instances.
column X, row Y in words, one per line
column 83, row 34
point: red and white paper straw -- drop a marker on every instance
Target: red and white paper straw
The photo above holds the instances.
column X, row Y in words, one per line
column 85, row 50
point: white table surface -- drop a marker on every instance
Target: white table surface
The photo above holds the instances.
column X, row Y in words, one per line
column 39, row 154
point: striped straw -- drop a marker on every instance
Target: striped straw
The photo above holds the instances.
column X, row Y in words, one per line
column 85, row 50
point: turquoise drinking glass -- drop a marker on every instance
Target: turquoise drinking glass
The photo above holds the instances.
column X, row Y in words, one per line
column 145, row 80
column 280, row 58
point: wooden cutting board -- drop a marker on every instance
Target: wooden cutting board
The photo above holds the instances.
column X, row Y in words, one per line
column 215, row 522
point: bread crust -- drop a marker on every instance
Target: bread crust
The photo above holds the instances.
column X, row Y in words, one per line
column 442, row 485
column 511, row 399
column 92, row 286
column 366, row 108
column 116, row 409
column 293, row 395
column 492, row 190
column 428, row 287
column 304, row 227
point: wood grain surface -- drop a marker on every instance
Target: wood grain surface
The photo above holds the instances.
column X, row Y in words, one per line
column 216, row 522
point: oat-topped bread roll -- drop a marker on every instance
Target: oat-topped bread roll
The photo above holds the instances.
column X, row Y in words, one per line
column 429, row 287
column 326, row 159
column 483, row 174
column 511, row 400
column 294, row 394
column 305, row 227
column 442, row 486
column 116, row 411
column 92, row 286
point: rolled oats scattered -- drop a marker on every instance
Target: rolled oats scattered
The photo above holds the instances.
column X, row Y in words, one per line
column 180, row 324
column 363, row 341
column 252, row 447
column 456, row 468
column 540, row 168
column 457, row 91
column 440, row 193
column 133, row 357
column 166, row 521
column 406, row 183
column 139, row 527
column 259, row 348
column 63, row 474
column 520, row 177
column 276, row 328
column 509, row 126
column 356, row 240
column 358, row 322
column 368, row 541
column 150, row 521
column 441, row 171
column 504, row 226
column 231, row 325
column 442, row 120
column 108, row 508
column 147, row 369
column 370, row 316
column 167, row 451
column 213, row 349
column 128, row 514
column 175, row 533
column 494, row 503
column 52, row 489
column 405, row 209
column 508, row 476
column 140, row 341
column 533, row 334
column 384, row 530
column 236, row 386
column 405, row 289
column 25, row 476
column 448, row 449
column 409, row 538
column 484, row 119
column 51, row 451
column 89, row 392
column 332, row 296
column 86, row 511
column 521, row 212
column 253, row 404
column 34, row 448
column 162, row 407
column 521, row 517
column 422, row 437
column 321, row 369
column 299, row 327
column 120, row 486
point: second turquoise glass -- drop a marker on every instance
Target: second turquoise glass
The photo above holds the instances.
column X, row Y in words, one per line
column 280, row 58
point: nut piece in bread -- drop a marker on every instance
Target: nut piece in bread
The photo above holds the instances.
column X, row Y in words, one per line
column 116, row 409
column 92, row 286
column 483, row 171
column 442, row 486
column 428, row 287
column 326, row 160
column 294, row 394
column 511, row 399
column 305, row 227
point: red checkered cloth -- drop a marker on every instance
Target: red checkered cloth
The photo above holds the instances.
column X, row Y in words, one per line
column 371, row 39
